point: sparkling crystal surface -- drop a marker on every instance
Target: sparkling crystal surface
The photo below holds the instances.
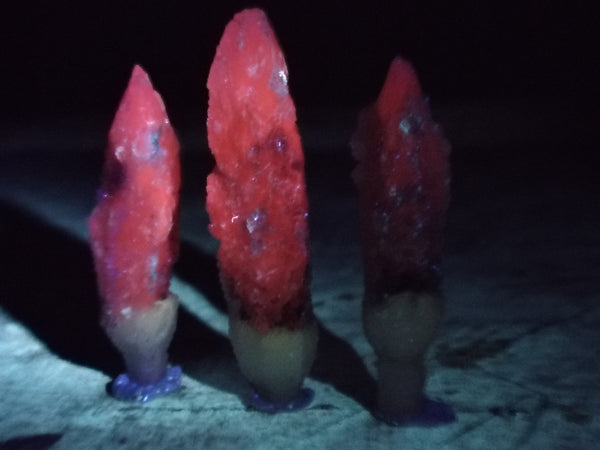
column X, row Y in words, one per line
column 403, row 182
column 256, row 195
column 133, row 229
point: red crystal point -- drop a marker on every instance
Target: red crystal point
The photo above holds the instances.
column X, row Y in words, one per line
column 256, row 195
column 403, row 181
column 133, row 229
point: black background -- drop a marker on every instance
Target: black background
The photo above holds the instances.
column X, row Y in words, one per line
column 74, row 58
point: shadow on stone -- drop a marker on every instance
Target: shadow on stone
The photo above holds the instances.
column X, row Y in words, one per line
column 49, row 285
column 205, row 355
column 32, row 442
column 208, row 356
column 339, row 365
column 201, row 271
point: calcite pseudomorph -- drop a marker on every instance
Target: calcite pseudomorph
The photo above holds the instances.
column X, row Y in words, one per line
column 403, row 181
column 256, row 195
column 133, row 228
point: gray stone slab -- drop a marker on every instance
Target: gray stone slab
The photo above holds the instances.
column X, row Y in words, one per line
column 516, row 355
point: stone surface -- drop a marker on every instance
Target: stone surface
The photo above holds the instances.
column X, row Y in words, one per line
column 516, row 355
column 403, row 182
column 256, row 196
column 133, row 229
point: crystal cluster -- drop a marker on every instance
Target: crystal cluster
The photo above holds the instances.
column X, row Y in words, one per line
column 133, row 228
column 403, row 182
column 256, row 195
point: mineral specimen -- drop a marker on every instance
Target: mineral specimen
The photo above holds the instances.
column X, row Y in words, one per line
column 256, row 195
column 133, row 233
column 133, row 229
column 402, row 178
column 403, row 181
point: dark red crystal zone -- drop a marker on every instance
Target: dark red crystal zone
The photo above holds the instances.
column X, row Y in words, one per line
column 133, row 229
column 256, row 195
column 402, row 178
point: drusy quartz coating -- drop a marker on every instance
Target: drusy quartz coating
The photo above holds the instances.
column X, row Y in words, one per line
column 402, row 178
column 133, row 229
column 256, row 195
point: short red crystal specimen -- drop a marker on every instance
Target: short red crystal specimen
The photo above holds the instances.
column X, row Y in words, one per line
column 256, row 195
column 403, row 182
column 133, row 229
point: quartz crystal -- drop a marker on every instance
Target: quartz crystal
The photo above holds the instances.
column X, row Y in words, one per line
column 403, row 181
column 256, row 195
column 133, row 228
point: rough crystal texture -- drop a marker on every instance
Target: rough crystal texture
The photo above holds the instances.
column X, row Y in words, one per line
column 133, row 229
column 256, row 195
column 403, row 182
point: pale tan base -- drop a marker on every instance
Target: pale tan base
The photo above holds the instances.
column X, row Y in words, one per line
column 400, row 328
column 277, row 362
column 143, row 337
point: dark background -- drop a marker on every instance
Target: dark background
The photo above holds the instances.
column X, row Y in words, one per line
column 74, row 58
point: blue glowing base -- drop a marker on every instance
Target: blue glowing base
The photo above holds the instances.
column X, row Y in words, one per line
column 125, row 388
column 301, row 401
column 435, row 412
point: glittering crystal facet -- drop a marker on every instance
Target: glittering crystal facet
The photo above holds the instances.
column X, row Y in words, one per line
column 256, row 196
column 403, row 181
column 133, row 229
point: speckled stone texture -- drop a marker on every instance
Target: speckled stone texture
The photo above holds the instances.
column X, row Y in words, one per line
column 516, row 355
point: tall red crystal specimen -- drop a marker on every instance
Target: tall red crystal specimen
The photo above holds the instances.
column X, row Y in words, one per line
column 133, row 229
column 256, row 195
column 403, row 182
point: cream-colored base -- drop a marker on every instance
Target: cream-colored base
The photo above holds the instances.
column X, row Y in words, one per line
column 277, row 362
column 143, row 337
column 400, row 328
